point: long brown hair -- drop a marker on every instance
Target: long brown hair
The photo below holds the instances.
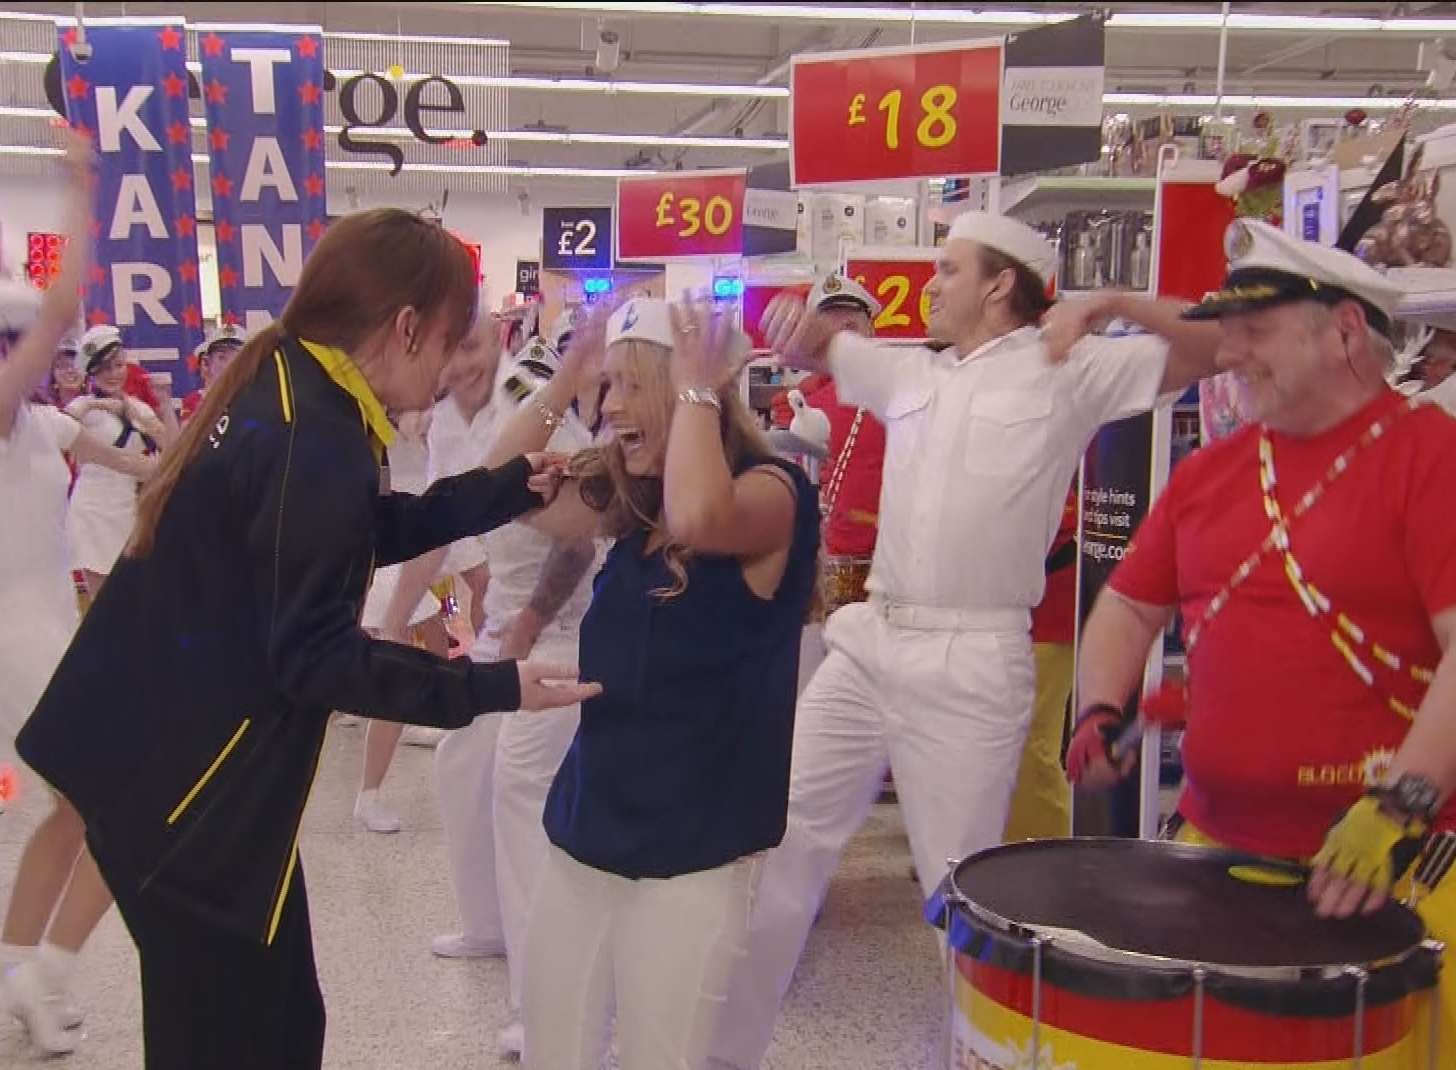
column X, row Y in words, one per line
column 631, row 503
column 366, row 268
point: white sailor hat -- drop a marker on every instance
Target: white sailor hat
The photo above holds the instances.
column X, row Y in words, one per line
column 1010, row 238
column 223, row 334
column 96, row 344
column 644, row 319
column 19, row 306
column 836, row 291
column 532, row 367
column 1268, row 267
column 68, row 344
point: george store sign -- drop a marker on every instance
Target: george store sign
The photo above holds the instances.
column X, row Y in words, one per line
column 357, row 104
column 689, row 213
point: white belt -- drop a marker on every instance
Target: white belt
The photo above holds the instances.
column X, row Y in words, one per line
column 932, row 619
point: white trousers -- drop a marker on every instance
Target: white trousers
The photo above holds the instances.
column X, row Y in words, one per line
column 527, row 755
column 465, row 782
column 660, row 951
column 948, row 712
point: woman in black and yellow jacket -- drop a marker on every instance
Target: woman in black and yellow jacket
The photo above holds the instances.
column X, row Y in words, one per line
column 186, row 720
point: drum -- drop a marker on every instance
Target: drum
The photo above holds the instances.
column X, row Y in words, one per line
column 1103, row 954
column 844, row 581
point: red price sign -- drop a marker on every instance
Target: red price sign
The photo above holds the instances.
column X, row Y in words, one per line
column 685, row 214
column 899, row 285
column 43, row 257
column 756, row 297
column 895, row 113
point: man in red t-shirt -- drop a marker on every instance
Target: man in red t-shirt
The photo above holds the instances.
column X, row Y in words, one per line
column 1313, row 557
column 1041, row 805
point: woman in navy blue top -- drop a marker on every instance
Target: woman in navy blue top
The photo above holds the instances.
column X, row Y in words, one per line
column 678, row 778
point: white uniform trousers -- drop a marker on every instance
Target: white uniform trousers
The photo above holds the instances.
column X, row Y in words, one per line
column 527, row 755
column 947, row 710
column 465, row 781
column 660, row 951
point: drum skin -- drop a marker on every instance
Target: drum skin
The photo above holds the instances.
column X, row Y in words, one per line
column 1111, row 1000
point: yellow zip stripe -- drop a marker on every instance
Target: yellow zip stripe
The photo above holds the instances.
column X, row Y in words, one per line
column 283, row 388
column 283, row 892
column 211, row 769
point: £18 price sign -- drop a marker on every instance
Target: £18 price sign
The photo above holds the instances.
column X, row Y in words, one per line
column 896, row 113
column 684, row 214
column 898, row 283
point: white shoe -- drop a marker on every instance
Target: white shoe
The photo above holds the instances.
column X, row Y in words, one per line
column 69, row 1012
column 459, row 946
column 416, row 735
column 373, row 815
column 510, row 1042
column 26, row 998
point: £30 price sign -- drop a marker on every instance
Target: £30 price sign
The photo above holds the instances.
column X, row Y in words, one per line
column 898, row 283
column 686, row 214
column 896, row 113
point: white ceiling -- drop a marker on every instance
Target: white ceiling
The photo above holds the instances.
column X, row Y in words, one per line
column 747, row 50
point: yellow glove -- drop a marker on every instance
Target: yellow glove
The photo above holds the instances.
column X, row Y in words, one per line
column 1370, row 847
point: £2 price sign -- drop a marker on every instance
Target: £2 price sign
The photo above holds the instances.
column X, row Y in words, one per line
column 684, row 214
column 896, row 113
column 898, row 283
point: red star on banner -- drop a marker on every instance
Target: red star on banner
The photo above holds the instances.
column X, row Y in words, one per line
column 314, row 185
column 173, row 85
column 182, row 178
column 69, row 36
column 186, row 226
column 219, row 138
column 170, row 38
column 97, row 317
column 216, row 92
column 225, row 230
column 312, row 139
column 98, row 274
column 191, row 317
column 187, row 271
column 177, row 132
column 307, row 47
column 231, row 319
column 77, row 87
column 315, row 229
column 309, row 93
column 222, row 186
column 212, row 45
column 227, row 277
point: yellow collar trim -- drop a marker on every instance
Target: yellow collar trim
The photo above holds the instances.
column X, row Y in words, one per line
column 341, row 369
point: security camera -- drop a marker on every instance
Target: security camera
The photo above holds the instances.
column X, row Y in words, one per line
column 609, row 50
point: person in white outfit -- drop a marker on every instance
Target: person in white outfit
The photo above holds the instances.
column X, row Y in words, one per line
column 933, row 676
column 103, row 501
column 57, row 896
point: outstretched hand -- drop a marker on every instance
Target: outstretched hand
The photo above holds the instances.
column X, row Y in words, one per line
column 547, row 471
column 550, row 687
column 708, row 349
column 1069, row 321
column 798, row 338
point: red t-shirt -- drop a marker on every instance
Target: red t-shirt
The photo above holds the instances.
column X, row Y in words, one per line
column 853, row 523
column 1281, row 732
column 1055, row 619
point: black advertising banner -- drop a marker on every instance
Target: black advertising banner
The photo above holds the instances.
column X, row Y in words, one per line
column 1051, row 96
column 528, row 278
column 1117, row 487
column 576, row 239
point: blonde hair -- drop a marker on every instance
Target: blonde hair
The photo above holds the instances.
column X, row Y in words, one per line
column 634, row 503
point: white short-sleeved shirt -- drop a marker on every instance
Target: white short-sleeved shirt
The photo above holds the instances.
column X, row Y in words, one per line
column 408, row 464
column 979, row 453
column 456, row 446
column 35, row 572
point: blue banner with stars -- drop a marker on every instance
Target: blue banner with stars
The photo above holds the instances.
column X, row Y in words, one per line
column 130, row 97
column 263, row 91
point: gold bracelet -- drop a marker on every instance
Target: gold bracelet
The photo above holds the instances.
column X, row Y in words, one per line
column 550, row 419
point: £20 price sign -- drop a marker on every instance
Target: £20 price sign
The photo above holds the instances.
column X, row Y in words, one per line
column 684, row 214
column 897, row 277
column 896, row 113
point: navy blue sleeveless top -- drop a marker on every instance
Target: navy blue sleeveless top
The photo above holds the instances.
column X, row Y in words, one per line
column 682, row 763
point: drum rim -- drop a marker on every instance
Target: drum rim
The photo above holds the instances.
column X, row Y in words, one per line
column 1006, row 927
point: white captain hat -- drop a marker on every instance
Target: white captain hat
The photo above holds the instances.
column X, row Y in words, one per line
column 1010, row 238
column 836, row 291
column 19, row 306
column 96, row 345
column 649, row 319
column 1268, row 267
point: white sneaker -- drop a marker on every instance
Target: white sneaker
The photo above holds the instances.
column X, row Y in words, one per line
column 26, row 998
column 460, row 946
column 416, row 735
column 373, row 814
column 510, row 1042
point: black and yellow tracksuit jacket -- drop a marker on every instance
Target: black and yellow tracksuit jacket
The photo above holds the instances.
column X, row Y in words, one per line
column 186, row 720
